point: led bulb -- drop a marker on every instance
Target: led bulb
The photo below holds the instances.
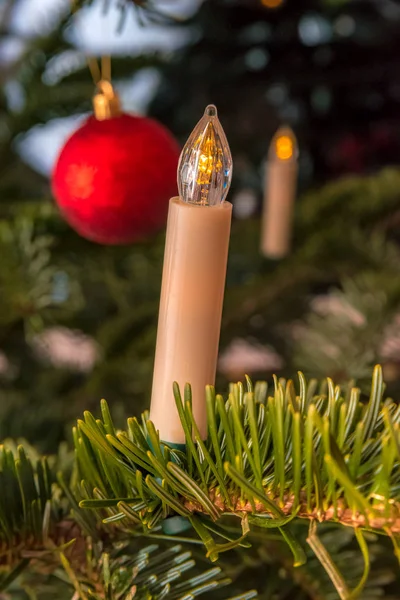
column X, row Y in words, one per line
column 284, row 145
column 205, row 165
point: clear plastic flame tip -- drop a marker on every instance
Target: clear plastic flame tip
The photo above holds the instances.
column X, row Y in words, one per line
column 205, row 165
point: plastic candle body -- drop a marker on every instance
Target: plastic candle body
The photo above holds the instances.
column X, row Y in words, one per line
column 194, row 273
column 279, row 194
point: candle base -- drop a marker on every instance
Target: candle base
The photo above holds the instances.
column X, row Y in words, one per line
column 280, row 194
column 174, row 446
column 189, row 322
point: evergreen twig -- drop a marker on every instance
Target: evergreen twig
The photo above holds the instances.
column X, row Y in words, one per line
column 326, row 457
column 317, row 455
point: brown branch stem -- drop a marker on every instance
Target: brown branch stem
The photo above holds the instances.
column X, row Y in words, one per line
column 380, row 517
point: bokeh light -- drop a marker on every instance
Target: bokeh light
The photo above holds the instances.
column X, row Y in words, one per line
column 272, row 3
column 256, row 59
column 314, row 29
column 284, row 147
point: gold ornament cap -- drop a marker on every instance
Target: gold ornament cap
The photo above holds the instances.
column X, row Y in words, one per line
column 106, row 102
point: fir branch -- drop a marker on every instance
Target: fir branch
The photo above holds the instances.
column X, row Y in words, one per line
column 146, row 11
column 38, row 536
column 343, row 445
column 339, row 464
column 320, row 254
column 280, row 460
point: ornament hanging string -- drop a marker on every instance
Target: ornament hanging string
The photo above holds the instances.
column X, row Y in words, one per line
column 102, row 72
column 106, row 68
column 94, row 69
column 106, row 102
column 98, row 73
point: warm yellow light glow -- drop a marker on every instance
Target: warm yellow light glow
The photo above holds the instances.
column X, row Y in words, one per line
column 210, row 157
column 271, row 3
column 284, row 147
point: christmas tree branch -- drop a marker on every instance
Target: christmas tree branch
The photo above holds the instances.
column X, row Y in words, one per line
column 320, row 255
column 285, row 455
column 319, row 453
column 146, row 10
column 315, row 454
column 43, row 531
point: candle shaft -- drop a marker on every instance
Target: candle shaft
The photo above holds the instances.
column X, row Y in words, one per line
column 192, row 292
column 279, row 195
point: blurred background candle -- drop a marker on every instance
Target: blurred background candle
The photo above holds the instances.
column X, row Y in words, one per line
column 279, row 194
column 194, row 272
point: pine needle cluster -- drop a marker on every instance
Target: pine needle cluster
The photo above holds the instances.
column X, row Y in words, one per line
column 280, row 469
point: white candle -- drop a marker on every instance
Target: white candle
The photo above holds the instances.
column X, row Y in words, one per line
column 279, row 194
column 194, row 272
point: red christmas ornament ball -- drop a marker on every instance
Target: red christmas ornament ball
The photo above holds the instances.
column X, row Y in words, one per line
column 114, row 178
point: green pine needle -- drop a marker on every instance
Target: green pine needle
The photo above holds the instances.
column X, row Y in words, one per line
column 292, row 455
column 270, row 462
